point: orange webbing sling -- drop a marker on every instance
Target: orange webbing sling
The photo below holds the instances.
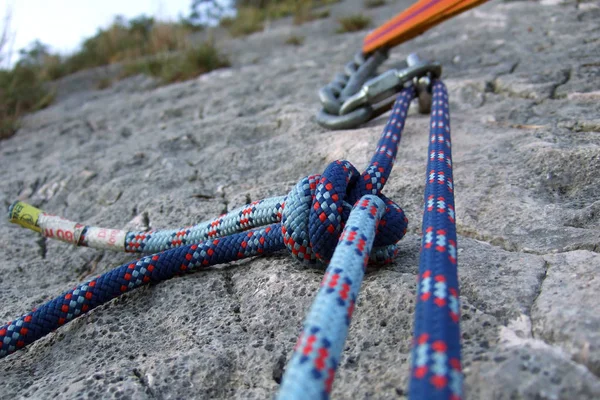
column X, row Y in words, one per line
column 413, row 21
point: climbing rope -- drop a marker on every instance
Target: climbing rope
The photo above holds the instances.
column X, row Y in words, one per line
column 310, row 372
column 436, row 371
column 436, row 368
column 308, row 222
column 255, row 214
column 311, row 221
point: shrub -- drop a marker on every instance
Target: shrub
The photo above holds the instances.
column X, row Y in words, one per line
column 121, row 42
column 353, row 23
column 248, row 20
column 125, row 41
column 177, row 67
column 22, row 90
column 373, row 3
column 294, row 40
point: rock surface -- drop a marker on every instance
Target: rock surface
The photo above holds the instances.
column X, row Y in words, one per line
column 524, row 80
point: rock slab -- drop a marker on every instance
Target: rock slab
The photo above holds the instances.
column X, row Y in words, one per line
column 525, row 100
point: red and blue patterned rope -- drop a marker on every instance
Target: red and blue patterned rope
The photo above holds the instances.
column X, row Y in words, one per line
column 436, row 366
column 311, row 370
column 155, row 268
column 436, row 372
column 312, row 217
column 253, row 215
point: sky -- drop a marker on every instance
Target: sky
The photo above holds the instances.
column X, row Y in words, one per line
column 63, row 24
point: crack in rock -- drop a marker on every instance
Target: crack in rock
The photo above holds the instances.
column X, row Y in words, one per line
column 566, row 78
column 145, row 384
column 537, row 295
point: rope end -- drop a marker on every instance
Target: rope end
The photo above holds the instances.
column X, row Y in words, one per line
column 26, row 215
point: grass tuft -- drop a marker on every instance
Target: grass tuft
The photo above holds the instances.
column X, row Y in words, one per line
column 247, row 21
column 22, row 90
column 104, row 83
column 374, row 3
column 252, row 15
column 353, row 23
column 169, row 68
column 321, row 14
column 295, row 40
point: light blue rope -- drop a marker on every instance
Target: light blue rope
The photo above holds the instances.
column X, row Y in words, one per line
column 310, row 372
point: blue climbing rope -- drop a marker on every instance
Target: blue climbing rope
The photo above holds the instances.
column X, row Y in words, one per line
column 310, row 372
column 309, row 223
column 436, row 368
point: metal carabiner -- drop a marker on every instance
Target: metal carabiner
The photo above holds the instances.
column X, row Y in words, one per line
column 376, row 96
column 389, row 83
column 357, row 72
column 354, row 118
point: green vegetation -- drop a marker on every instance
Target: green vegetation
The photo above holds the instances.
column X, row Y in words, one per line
column 142, row 45
column 295, row 40
column 252, row 14
column 177, row 67
column 353, row 23
column 22, row 90
column 373, row 3
column 126, row 41
column 321, row 14
column 123, row 41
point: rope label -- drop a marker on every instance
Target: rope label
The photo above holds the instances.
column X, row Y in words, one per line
column 59, row 228
column 103, row 238
column 25, row 215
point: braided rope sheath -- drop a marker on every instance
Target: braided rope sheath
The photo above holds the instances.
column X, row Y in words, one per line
column 436, row 371
column 310, row 372
column 325, row 201
column 258, row 213
column 436, row 367
column 322, row 197
column 255, row 214
column 312, row 215
column 159, row 267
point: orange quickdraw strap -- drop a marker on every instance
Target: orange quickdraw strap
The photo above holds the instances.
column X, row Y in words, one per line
column 418, row 18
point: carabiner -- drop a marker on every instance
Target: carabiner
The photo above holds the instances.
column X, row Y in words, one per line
column 345, row 106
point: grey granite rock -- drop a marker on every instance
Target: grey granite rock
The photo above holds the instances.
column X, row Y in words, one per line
column 526, row 372
column 565, row 312
column 523, row 81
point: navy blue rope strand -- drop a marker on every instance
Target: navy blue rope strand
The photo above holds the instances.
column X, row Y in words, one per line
column 436, row 366
column 159, row 267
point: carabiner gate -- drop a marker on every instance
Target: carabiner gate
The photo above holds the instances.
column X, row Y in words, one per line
column 345, row 106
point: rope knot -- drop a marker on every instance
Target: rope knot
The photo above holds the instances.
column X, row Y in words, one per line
column 317, row 208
